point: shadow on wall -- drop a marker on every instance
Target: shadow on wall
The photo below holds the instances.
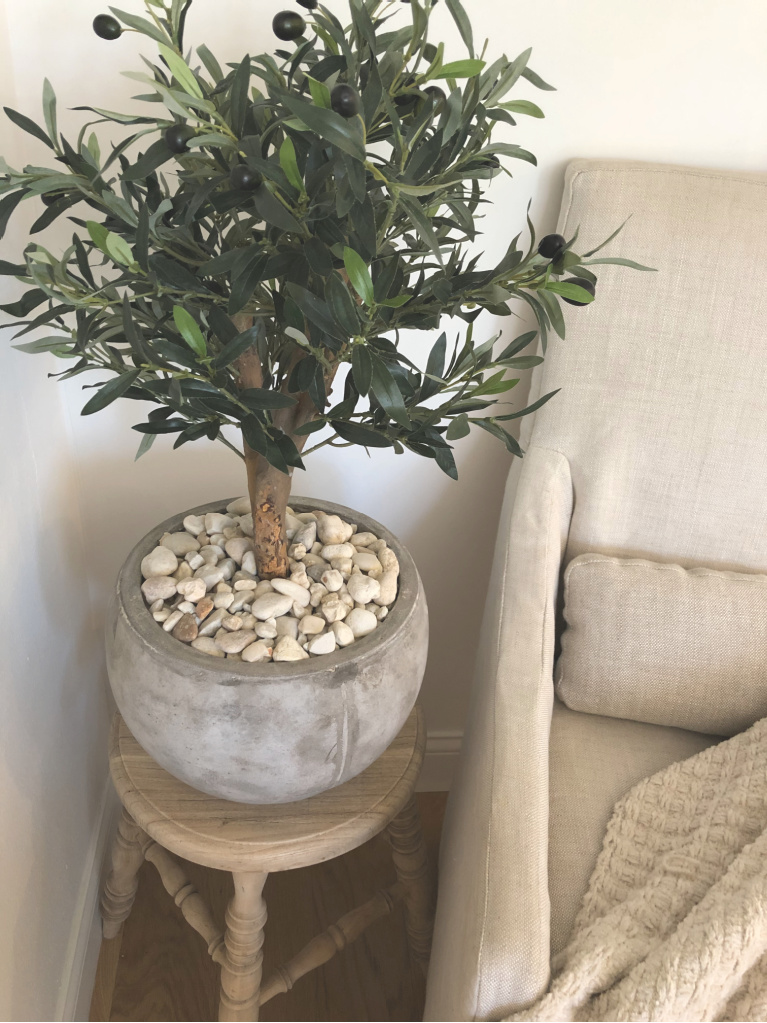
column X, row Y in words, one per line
column 55, row 711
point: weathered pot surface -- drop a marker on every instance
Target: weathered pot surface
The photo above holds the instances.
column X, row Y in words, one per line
column 265, row 733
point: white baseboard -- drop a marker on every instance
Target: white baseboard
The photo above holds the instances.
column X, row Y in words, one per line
column 442, row 752
column 79, row 972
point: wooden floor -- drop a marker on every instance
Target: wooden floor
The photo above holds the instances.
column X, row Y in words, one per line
column 158, row 968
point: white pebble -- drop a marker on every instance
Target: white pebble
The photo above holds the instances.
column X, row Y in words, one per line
column 287, row 626
column 287, row 649
column 233, row 623
column 337, row 550
column 235, row 642
column 388, row 589
column 361, row 622
column 363, row 539
column 223, row 600
column 306, row 535
column 194, row 524
column 162, row 615
column 333, row 609
column 342, row 632
column 367, row 562
column 212, row 623
column 192, row 589
column 211, row 553
column 228, row 567
column 265, row 586
column 316, row 593
column 363, row 589
column 296, row 593
column 215, row 522
column 324, row 644
column 183, row 571
column 256, row 652
column 296, row 551
column 187, row 607
column 267, row 629
column 241, row 598
column 172, row 620
column 332, row 580
column 271, row 605
column 246, row 524
column 158, row 587
column 159, row 561
column 343, row 565
column 238, row 548
column 249, row 562
column 240, row 506
column 180, row 543
column 311, row 625
column 332, row 529
column 210, row 574
column 388, row 559
column 195, row 560
column 207, row 645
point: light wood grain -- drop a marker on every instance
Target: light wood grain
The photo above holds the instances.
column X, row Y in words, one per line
column 121, row 884
column 159, row 968
column 243, row 961
column 242, row 837
column 412, row 864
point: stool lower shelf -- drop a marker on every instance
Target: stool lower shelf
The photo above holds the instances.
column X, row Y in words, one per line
column 162, row 817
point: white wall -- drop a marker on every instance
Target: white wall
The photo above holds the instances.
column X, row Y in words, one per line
column 682, row 81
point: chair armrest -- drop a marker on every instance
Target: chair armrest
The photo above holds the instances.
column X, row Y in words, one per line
column 491, row 942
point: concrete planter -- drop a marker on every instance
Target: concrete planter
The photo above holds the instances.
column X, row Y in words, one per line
column 265, row 733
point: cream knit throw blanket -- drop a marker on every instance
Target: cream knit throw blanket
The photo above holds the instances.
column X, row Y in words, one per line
column 674, row 924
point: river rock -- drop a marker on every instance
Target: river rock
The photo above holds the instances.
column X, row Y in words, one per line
column 362, row 539
column 387, row 588
column 223, row 600
column 192, row 589
column 311, row 625
column 249, row 562
column 361, row 622
column 241, row 598
column 367, row 562
column 388, row 560
column 324, row 644
column 212, row 623
column 210, row 574
column 195, row 561
column 235, row 642
column 238, row 548
column 232, row 624
column 267, row 629
column 158, row 587
column 333, row 608
column 332, row 529
column 194, row 524
column 240, row 506
column 288, row 649
column 363, row 588
column 204, row 608
column 215, row 522
column 287, row 626
column 342, row 632
column 180, row 543
column 316, row 594
column 297, row 593
column 332, row 580
column 257, row 652
column 171, row 621
column 337, row 550
column 246, row 524
column 186, row 628
column 271, row 605
column 160, row 561
column 306, row 535
column 207, row 645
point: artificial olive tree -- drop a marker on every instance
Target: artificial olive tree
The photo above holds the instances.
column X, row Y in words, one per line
column 268, row 223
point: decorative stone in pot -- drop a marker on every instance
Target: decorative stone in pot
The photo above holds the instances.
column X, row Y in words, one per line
column 265, row 732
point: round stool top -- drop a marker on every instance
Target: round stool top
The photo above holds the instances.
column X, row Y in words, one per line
column 233, row 836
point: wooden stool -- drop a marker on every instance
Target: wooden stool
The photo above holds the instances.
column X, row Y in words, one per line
column 162, row 815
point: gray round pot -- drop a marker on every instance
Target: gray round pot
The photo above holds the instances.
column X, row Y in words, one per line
column 265, row 733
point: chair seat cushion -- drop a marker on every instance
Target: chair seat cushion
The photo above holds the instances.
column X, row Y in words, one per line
column 593, row 761
column 652, row 641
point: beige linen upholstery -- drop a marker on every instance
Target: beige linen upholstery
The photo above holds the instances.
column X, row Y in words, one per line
column 660, row 431
column 656, row 642
column 491, row 943
column 594, row 762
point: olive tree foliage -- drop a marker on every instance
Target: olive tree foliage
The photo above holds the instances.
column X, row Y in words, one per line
column 243, row 220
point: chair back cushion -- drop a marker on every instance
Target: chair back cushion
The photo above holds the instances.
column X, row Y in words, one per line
column 659, row 643
column 662, row 412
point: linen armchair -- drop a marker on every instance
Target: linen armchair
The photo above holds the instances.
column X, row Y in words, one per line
column 655, row 448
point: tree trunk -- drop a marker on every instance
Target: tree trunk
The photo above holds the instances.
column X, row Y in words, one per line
column 268, row 489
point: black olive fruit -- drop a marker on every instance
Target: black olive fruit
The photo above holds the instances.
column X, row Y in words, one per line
column 288, row 25
column 243, row 178
column 582, row 283
column 345, row 101
column 177, row 136
column 552, row 246
column 309, row 4
column 107, row 27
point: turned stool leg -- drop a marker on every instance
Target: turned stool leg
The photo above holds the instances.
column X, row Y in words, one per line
column 243, row 941
column 121, row 884
column 410, row 861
